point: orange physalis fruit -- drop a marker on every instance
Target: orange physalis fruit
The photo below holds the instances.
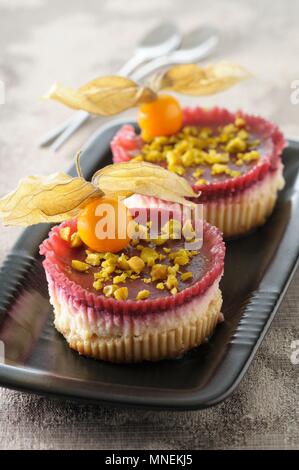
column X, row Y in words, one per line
column 103, row 225
column 161, row 117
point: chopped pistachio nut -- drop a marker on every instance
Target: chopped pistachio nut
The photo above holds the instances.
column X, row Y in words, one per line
column 234, row 173
column 251, row 156
column 188, row 158
column 229, row 129
column 201, row 182
column 235, row 145
column 218, row 168
column 103, row 275
column 242, row 134
column 178, row 169
column 109, row 269
column 160, row 285
column 148, row 256
column 121, row 293
column 194, row 146
column 109, row 290
column 146, row 280
column 181, row 260
column 94, row 259
column 136, row 264
column 174, row 291
column 98, row 285
column 194, row 252
column 122, row 262
column 109, row 262
column 143, row 294
column 159, row 271
column 111, row 256
column 197, row 173
column 173, row 269
column 121, row 278
column 166, row 250
column 98, row 275
column 214, row 157
column 76, row 240
column 151, row 262
column 172, row 229
column 188, row 231
column 172, row 158
column 160, row 240
column 171, row 281
column 65, row 233
column 186, row 276
column 240, row 122
column 179, row 253
column 80, row 265
column 134, row 276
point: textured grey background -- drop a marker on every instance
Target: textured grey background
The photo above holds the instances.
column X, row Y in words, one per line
column 42, row 41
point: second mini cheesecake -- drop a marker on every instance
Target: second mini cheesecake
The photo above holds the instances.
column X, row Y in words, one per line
column 233, row 159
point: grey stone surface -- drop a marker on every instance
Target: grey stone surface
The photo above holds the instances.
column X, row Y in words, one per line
column 73, row 41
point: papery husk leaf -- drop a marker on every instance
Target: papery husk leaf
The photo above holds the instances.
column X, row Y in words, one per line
column 104, row 96
column 125, row 179
column 53, row 198
column 196, row 80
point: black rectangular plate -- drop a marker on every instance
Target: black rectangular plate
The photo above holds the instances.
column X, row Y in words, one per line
column 258, row 269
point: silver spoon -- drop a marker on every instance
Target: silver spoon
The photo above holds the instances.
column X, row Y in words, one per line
column 195, row 46
column 158, row 42
column 161, row 40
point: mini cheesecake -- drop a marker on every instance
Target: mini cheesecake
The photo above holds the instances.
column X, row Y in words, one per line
column 153, row 300
column 232, row 159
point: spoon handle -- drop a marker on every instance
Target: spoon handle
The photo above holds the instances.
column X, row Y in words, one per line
column 77, row 120
column 150, row 67
column 131, row 65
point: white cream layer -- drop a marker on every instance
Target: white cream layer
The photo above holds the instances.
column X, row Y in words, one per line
column 85, row 322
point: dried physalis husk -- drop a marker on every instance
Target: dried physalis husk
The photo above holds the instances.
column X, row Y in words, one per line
column 105, row 95
column 113, row 94
column 60, row 197
column 124, row 179
column 53, row 198
column 193, row 79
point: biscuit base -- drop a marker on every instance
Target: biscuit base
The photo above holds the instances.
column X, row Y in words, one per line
column 152, row 346
column 239, row 214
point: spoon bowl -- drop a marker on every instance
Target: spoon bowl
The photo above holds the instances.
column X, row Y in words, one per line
column 195, row 46
column 161, row 40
